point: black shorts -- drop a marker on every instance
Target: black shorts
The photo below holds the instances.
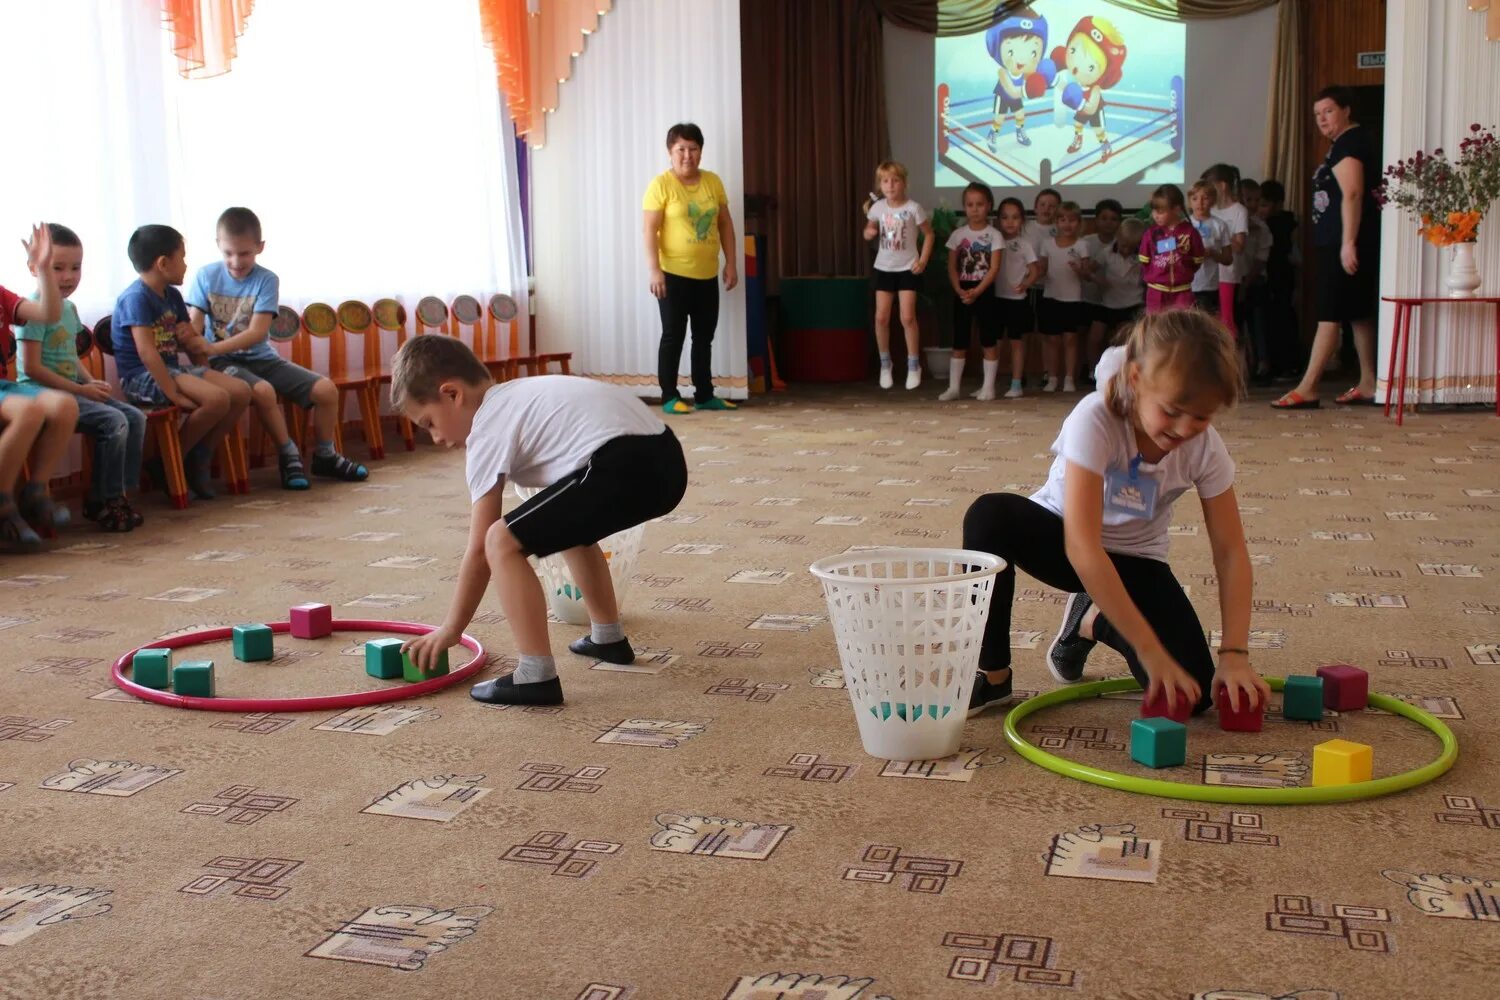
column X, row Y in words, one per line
column 1014, row 318
column 1063, row 317
column 1004, row 103
column 1344, row 297
column 980, row 313
column 1207, row 301
column 629, row 480
column 897, row 281
column 1113, row 319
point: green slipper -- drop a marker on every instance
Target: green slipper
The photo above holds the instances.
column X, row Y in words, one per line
column 678, row 405
column 718, row 404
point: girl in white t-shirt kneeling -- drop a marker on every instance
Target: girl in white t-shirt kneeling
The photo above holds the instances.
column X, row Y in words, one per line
column 1098, row 528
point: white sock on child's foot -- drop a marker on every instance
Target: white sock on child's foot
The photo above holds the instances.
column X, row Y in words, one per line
column 955, row 376
column 604, row 634
column 991, row 369
column 533, row 669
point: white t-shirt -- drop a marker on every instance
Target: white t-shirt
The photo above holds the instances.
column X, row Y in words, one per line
column 898, row 234
column 1015, row 257
column 972, row 248
column 536, row 430
column 1123, row 288
column 1102, row 442
column 1096, row 249
column 1035, row 233
column 1238, row 220
column 1062, row 283
column 1214, row 233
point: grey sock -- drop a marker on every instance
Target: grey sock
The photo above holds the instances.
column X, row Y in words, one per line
column 534, row 669
column 603, row 634
column 289, row 449
column 324, row 449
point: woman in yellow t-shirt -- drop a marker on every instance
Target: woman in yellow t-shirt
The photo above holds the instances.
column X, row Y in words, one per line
column 686, row 222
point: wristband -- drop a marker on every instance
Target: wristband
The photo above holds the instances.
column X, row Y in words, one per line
column 1230, row 649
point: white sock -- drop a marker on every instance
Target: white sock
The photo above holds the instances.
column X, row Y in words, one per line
column 955, row 372
column 990, row 369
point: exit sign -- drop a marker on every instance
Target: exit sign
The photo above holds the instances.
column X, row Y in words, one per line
column 1370, row 60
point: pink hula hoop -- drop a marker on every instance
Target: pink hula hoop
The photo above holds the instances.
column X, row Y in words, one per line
column 315, row 703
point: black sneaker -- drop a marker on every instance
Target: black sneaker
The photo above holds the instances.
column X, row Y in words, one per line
column 610, row 652
column 1070, row 651
column 987, row 694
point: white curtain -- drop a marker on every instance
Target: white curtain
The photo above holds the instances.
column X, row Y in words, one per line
column 368, row 135
column 1441, row 76
column 651, row 64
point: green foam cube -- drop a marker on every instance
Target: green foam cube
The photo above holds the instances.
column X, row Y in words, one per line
column 253, row 642
column 411, row 673
column 152, row 668
column 1302, row 698
column 383, row 658
column 1158, row 742
column 194, row 679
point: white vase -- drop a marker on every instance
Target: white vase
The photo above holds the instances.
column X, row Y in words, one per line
column 938, row 359
column 1463, row 272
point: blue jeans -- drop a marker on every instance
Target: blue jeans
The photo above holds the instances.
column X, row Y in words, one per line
column 119, row 433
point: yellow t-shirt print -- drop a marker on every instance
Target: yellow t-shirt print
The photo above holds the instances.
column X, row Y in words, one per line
column 62, row 340
column 702, row 220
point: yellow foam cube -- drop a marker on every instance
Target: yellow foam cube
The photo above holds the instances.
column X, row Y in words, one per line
column 1342, row 762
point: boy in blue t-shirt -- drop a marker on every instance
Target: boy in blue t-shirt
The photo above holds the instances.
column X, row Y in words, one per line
column 233, row 302
column 49, row 358
column 149, row 330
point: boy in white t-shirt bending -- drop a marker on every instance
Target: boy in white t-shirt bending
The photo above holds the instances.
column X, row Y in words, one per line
column 606, row 463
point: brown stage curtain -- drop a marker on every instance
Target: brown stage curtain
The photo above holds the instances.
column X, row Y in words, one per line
column 1284, row 157
column 815, row 127
column 962, row 17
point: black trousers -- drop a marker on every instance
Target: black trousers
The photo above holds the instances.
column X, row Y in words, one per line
column 1028, row 536
column 695, row 299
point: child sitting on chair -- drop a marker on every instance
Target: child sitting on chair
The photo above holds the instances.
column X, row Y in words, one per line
column 607, row 465
column 232, row 303
column 149, row 330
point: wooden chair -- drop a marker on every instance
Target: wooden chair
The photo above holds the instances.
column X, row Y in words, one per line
column 320, row 320
column 390, row 317
column 284, row 328
column 432, row 314
column 161, row 427
column 503, row 309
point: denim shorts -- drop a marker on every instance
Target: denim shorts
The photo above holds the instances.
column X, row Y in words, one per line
column 142, row 388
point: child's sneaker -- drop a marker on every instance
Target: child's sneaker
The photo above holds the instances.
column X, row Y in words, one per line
column 1050, row 385
column 676, row 405
column 913, row 377
column 987, row 694
column 1014, row 392
column 885, row 377
column 1069, row 385
column 293, row 473
column 1070, row 650
column 336, row 466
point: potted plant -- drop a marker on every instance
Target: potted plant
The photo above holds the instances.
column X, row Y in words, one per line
column 935, row 301
column 1451, row 198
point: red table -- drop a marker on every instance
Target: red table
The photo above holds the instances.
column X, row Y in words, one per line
column 1405, row 306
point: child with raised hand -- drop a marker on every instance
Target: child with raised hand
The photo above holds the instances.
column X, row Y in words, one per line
column 1019, row 272
column 1098, row 529
column 973, row 266
column 49, row 358
column 149, row 330
column 1064, row 259
column 1215, row 236
column 1170, row 253
column 35, row 420
column 1227, row 209
column 606, row 463
column 232, row 303
column 896, row 220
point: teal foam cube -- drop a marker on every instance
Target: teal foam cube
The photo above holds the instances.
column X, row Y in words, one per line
column 194, row 679
column 152, row 668
column 1302, row 698
column 253, row 642
column 383, row 658
column 1158, row 742
column 412, row 674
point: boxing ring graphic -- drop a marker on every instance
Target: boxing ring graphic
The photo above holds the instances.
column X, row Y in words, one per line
column 1143, row 130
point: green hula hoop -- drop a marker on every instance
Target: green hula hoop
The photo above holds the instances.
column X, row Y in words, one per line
column 1233, row 794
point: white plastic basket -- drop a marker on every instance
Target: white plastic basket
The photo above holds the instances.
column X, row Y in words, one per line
column 908, row 623
column 566, row 600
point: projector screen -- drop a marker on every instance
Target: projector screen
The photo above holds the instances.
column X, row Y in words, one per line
column 1062, row 93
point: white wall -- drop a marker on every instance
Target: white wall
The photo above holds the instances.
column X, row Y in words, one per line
column 1440, row 76
column 652, row 63
column 1228, row 73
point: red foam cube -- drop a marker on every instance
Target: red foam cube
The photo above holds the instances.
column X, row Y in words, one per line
column 1345, row 688
column 1247, row 719
column 1153, row 708
column 312, row 621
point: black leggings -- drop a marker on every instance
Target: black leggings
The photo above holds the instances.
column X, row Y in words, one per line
column 1028, row 536
column 696, row 299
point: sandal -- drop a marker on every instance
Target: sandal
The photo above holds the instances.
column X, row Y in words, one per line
column 37, row 507
column 15, row 533
column 1355, row 398
column 116, row 516
column 1294, row 400
column 336, row 466
column 293, row 474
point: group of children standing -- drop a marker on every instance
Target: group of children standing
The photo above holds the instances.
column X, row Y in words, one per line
column 222, row 327
column 1045, row 276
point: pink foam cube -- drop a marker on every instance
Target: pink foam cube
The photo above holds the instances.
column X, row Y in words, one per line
column 1345, row 688
column 1249, row 717
column 1157, row 708
column 312, row 621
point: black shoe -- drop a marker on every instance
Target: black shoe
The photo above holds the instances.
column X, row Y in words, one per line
column 610, row 652
column 336, row 466
column 293, row 473
column 987, row 694
column 504, row 691
column 1069, row 651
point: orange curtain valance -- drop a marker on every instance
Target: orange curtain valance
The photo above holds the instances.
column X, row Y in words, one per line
column 534, row 46
column 204, row 33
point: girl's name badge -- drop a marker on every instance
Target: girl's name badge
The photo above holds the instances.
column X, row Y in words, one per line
column 1130, row 493
column 1166, row 245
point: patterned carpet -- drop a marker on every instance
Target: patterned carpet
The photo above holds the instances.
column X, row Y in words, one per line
column 706, row 824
